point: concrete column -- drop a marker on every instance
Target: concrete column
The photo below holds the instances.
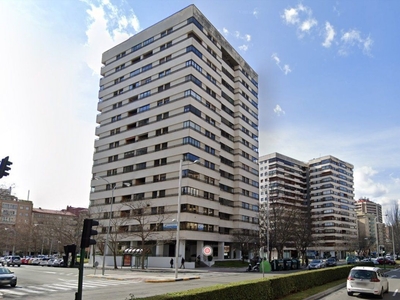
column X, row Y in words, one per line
column 199, row 249
column 182, row 245
column 160, row 250
column 221, row 250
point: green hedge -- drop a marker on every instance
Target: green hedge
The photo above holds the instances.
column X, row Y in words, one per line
column 268, row 288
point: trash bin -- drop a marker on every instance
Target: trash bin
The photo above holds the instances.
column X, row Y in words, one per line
column 295, row 264
column 277, row 265
column 287, row 264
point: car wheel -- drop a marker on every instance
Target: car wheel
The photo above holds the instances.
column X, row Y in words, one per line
column 14, row 284
column 381, row 294
column 19, row 266
column 350, row 293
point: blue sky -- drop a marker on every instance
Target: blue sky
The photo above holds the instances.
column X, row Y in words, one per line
column 328, row 83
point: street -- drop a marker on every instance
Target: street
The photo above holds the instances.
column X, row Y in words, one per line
column 394, row 289
column 36, row 282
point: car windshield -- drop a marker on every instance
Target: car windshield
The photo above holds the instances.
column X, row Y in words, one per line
column 5, row 271
column 363, row 274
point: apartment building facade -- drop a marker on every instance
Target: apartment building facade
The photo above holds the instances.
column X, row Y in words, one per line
column 177, row 97
column 371, row 230
column 321, row 187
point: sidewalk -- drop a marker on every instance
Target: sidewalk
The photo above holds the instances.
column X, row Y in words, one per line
column 146, row 275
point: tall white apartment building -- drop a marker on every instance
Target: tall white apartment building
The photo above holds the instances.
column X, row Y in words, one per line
column 324, row 187
column 177, row 94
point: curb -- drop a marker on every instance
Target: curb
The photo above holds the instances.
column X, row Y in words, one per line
column 327, row 292
column 170, row 279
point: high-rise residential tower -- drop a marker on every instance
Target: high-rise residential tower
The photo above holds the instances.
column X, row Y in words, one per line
column 177, row 96
column 322, row 187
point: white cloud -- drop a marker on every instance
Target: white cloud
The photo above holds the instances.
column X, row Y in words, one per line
column 291, row 16
column 353, row 38
column 329, row 35
column 285, row 69
column 107, row 27
column 278, row 110
column 364, row 177
column 301, row 16
column 244, row 48
column 255, row 12
column 237, row 35
column 308, row 24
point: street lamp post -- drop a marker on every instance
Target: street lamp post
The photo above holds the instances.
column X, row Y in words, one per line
column 109, row 224
column 178, row 216
column 377, row 237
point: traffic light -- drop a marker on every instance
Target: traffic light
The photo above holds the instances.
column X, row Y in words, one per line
column 5, row 167
column 88, row 232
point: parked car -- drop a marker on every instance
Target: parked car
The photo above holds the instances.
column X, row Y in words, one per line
column 2, row 260
column 13, row 261
column 316, row 264
column 367, row 280
column 7, row 277
column 58, row 263
column 351, row 260
column 331, row 262
column 385, row 261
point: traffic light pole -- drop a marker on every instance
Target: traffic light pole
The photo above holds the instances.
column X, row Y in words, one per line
column 78, row 294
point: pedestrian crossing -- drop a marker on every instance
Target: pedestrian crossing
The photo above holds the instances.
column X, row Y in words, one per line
column 69, row 285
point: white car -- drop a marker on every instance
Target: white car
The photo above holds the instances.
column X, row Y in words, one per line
column 367, row 280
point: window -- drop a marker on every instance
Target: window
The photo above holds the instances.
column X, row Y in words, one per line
column 134, row 73
column 164, row 87
column 191, row 93
column 141, row 151
column 161, row 147
column 136, row 47
column 119, row 67
column 195, row 22
column 161, row 131
column 148, row 41
column 210, row 135
column 143, row 122
column 190, row 157
column 121, row 55
column 135, row 60
column 163, row 101
column 191, row 141
column 147, row 67
column 145, row 94
column 209, row 149
column 165, row 46
column 194, row 65
column 144, row 108
column 145, row 81
column 141, row 166
column 194, row 50
column 165, row 32
column 193, row 79
column 134, row 85
column 209, row 165
column 190, row 124
column 165, row 59
column 192, row 109
column 164, row 73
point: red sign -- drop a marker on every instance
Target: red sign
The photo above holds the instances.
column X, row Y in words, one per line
column 207, row 250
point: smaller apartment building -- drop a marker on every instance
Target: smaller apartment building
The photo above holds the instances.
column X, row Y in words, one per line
column 323, row 187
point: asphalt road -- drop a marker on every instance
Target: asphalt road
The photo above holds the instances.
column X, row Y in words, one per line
column 36, row 282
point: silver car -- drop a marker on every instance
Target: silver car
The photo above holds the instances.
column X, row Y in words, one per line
column 316, row 264
column 7, row 277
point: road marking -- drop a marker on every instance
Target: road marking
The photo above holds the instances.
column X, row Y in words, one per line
column 395, row 292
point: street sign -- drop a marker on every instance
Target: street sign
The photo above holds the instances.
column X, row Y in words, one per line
column 207, row 251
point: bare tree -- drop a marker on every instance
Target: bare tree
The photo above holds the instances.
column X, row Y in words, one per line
column 393, row 219
column 302, row 232
column 147, row 224
column 246, row 241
